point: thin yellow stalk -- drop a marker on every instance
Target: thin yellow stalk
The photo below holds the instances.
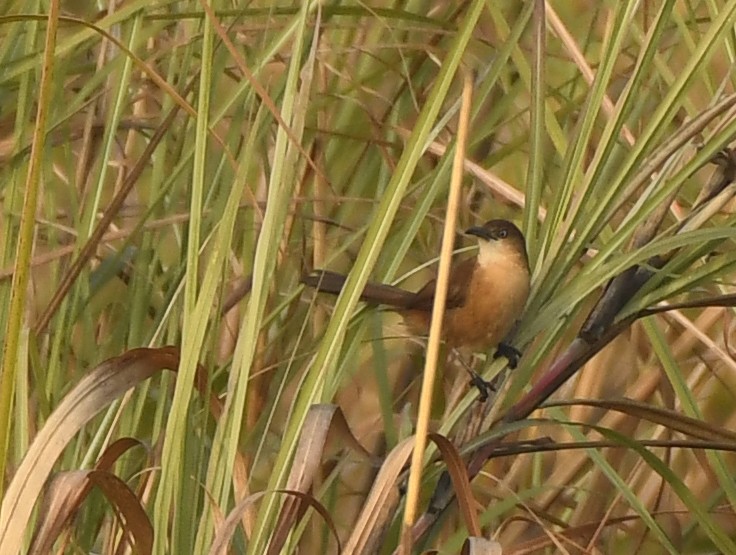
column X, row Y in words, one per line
column 438, row 310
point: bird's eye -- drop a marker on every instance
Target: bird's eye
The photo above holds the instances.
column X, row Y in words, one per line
column 503, row 234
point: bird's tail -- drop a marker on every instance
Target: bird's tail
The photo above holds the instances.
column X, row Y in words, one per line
column 375, row 293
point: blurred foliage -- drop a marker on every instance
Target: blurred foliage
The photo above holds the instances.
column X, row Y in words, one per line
column 200, row 158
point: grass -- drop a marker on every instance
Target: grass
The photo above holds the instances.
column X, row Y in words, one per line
column 169, row 173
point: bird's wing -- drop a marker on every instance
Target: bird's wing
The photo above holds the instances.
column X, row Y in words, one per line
column 460, row 275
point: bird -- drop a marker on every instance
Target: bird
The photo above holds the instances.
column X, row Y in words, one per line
column 486, row 295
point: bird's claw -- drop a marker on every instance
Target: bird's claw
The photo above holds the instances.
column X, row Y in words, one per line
column 511, row 353
column 485, row 388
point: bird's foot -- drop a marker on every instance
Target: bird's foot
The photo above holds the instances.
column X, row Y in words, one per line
column 485, row 388
column 511, row 353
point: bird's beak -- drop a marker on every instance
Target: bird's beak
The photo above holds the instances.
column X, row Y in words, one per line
column 480, row 231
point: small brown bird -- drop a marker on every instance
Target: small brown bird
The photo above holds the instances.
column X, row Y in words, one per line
column 485, row 296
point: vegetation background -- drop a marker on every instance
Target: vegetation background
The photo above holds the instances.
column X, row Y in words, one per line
column 169, row 170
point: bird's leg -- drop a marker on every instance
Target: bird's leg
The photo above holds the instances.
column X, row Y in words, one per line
column 485, row 388
column 507, row 350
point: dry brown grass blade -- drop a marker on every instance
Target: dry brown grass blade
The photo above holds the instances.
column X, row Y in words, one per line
column 670, row 419
column 481, row 546
column 98, row 389
column 116, row 450
column 226, row 530
column 320, row 421
column 461, row 490
column 495, row 183
column 64, row 495
column 67, row 493
column 576, row 54
column 460, row 481
column 378, row 508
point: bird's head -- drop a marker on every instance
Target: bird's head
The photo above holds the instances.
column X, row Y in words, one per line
column 499, row 238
